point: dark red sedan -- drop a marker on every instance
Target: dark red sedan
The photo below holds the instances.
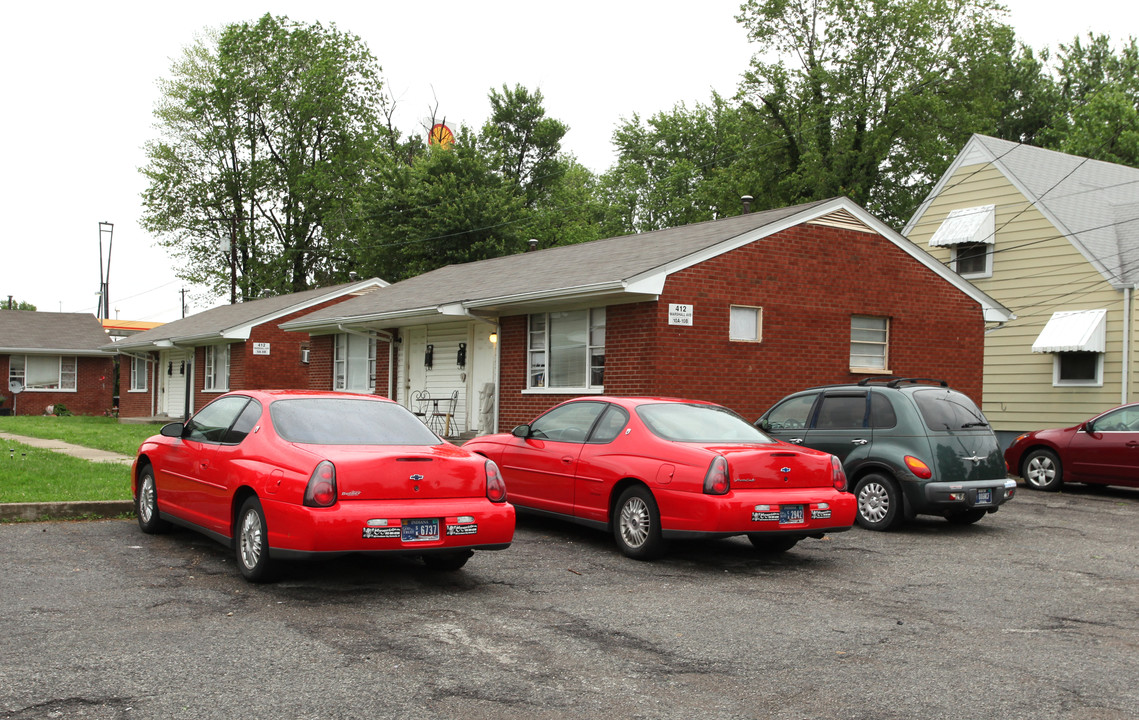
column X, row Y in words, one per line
column 281, row 474
column 651, row 469
column 1103, row 450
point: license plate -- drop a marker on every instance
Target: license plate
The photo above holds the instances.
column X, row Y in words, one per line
column 420, row 529
column 985, row 496
column 790, row 514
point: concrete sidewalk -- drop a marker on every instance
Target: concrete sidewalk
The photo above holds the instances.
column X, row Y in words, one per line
column 86, row 509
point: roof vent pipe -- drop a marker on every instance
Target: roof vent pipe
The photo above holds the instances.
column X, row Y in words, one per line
column 746, row 200
column 533, row 245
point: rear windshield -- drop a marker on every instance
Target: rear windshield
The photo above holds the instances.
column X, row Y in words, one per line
column 681, row 422
column 348, row 421
column 948, row 410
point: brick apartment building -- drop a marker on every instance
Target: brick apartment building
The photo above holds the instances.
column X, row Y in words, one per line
column 738, row 311
column 175, row 368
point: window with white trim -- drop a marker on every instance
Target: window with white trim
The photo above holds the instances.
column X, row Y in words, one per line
column 972, row 260
column 567, row 350
column 1077, row 369
column 354, row 363
column 217, row 369
column 139, row 371
column 869, row 343
column 43, row 372
column 745, row 323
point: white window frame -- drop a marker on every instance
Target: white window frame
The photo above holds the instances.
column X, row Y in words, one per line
column 1057, row 381
column 344, row 362
column 884, row 343
column 733, row 328
column 67, row 377
column 539, row 353
column 216, row 375
column 987, row 271
column 140, row 370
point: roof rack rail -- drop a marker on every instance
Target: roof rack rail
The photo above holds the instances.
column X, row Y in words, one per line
column 898, row 381
column 879, row 380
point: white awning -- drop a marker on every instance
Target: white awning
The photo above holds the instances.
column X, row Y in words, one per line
column 1073, row 331
column 966, row 225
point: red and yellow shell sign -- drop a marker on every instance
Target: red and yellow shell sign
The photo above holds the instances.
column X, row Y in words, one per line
column 441, row 135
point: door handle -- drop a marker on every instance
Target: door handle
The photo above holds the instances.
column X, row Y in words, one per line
column 797, row 441
column 205, row 463
column 859, row 441
column 567, row 459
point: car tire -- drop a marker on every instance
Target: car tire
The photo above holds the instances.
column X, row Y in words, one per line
column 1041, row 470
column 879, row 502
column 447, row 561
column 636, row 524
column 966, row 517
column 146, row 503
column 776, row 544
column 251, row 544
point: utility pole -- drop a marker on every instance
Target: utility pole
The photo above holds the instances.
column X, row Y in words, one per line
column 183, row 292
column 108, row 229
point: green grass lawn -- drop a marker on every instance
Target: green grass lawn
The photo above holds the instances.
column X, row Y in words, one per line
column 102, row 433
column 30, row 474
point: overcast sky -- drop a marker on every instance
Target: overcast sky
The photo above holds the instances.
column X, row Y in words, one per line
column 79, row 88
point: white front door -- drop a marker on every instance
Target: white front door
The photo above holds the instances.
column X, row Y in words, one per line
column 173, row 372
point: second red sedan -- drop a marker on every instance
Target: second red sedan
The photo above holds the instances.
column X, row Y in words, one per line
column 653, row 469
column 1103, row 450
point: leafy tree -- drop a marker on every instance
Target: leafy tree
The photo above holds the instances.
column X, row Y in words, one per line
column 17, row 305
column 523, row 143
column 1096, row 111
column 266, row 132
column 867, row 98
column 449, row 205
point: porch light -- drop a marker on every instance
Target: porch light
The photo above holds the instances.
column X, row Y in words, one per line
column 493, row 338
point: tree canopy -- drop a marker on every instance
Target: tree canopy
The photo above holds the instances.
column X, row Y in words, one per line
column 265, row 132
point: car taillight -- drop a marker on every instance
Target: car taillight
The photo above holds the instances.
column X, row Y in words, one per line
column 716, row 479
column 495, row 485
column 838, row 475
column 917, row 467
column 321, row 490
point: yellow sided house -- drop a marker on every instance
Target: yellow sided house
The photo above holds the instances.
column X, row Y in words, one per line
column 1054, row 238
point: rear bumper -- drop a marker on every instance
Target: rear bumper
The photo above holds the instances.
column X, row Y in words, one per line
column 464, row 523
column 692, row 515
column 948, row 496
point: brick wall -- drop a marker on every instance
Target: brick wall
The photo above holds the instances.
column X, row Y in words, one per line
column 136, row 404
column 809, row 280
column 94, row 394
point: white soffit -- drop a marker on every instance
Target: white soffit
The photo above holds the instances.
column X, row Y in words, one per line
column 966, row 225
column 1073, row 331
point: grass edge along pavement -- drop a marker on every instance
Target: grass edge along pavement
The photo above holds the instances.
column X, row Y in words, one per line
column 68, row 509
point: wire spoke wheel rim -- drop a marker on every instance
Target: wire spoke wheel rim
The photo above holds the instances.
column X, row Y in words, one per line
column 251, row 539
column 635, row 522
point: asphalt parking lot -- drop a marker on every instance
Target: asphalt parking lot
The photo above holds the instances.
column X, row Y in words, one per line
column 1031, row 613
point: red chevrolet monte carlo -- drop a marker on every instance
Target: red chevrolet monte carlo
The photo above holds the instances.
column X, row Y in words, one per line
column 281, row 474
column 651, row 469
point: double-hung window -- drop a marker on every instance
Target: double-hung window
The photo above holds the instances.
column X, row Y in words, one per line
column 869, row 344
column 354, row 364
column 138, row 374
column 217, row 368
column 566, row 350
column 43, row 372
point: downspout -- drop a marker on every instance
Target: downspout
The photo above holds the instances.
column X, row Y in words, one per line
column 375, row 335
column 1126, row 344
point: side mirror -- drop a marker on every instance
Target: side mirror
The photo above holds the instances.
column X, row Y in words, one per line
column 173, row 430
column 1089, row 427
column 522, row 431
column 763, row 424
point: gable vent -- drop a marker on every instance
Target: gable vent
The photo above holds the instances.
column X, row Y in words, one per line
column 841, row 219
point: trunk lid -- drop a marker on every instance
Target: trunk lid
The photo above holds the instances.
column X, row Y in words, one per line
column 780, row 465
column 407, row 473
